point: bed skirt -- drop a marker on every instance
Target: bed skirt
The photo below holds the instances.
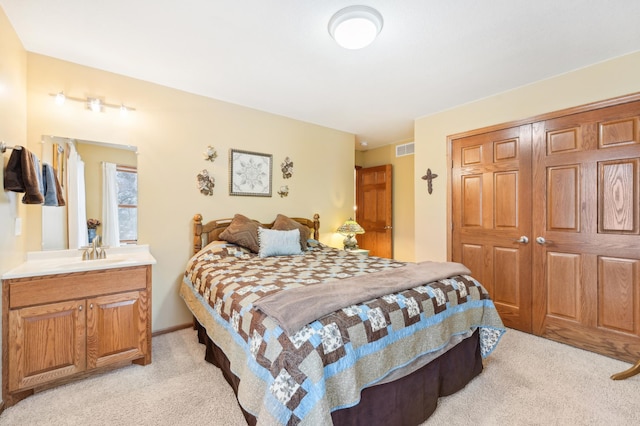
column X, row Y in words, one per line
column 409, row 400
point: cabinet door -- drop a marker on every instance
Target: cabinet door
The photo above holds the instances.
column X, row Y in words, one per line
column 491, row 209
column 116, row 328
column 46, row 343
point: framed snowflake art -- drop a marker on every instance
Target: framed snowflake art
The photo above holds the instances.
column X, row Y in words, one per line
column 250, row 173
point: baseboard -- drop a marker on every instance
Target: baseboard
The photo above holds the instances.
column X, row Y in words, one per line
column 171, row 329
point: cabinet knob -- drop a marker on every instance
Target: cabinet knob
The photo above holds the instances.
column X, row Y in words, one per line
column 91, row 306
column 80, row 308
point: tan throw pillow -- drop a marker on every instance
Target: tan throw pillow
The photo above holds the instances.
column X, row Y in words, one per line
column 243, row 232
column 283, row 223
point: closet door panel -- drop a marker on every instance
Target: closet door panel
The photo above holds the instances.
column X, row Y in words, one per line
column 473, row 257
column 618, row 132
column 563, row 198
column 505, row 199
column 618, row 294
column 472, row 201
column 563, row 285
column 491, row 211
column 586, row 225
column 505, row 274
column 618, row 196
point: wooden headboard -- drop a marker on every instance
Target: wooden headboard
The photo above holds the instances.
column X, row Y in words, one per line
column 210, row 231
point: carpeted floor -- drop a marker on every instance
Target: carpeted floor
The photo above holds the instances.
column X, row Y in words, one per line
column 526, row 381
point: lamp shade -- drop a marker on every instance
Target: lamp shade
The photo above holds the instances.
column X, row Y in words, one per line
column 350, row 227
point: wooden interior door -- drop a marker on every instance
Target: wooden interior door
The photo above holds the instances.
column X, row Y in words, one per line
column 586, row 260
column 491, row 217
column 374, row 212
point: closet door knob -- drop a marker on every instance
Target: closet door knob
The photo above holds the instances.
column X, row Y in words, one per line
column 523, row 239
column 541, row 240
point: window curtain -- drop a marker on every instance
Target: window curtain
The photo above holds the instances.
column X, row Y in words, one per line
column 77, row 205
column 110, row 223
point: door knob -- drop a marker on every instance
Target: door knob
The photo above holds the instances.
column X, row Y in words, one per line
column 541, row 240
column 523, row 239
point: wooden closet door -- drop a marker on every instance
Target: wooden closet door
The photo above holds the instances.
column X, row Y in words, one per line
column 586, row 248
column 491, row 217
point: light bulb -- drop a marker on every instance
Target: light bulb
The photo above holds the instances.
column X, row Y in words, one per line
column 95, row 105
column 60, row 98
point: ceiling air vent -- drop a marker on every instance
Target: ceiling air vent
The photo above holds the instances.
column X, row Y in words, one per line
column 404, row 149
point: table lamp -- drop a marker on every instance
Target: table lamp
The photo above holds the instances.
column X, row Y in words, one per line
column 350, row 228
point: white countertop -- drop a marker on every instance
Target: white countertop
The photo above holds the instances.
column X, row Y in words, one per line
column 66, row 261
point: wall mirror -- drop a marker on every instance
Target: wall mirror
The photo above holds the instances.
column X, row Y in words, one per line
column 99, row 181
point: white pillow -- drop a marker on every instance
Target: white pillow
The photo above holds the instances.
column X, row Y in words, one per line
column 278, row 243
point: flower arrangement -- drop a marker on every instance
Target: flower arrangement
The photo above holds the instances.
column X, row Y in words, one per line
column 93, row 223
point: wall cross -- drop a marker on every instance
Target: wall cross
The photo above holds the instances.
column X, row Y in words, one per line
column 429, row 177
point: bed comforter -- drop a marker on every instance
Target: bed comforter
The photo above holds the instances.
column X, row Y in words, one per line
column 301, row 377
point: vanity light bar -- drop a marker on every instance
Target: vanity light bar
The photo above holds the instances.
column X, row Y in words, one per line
column 92, row 103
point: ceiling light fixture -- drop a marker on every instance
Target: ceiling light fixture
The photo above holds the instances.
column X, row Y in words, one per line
column 60, row 98
column 92, row 103
column 355, row 27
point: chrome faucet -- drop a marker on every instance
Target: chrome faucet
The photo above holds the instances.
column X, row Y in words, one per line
column 94, row 251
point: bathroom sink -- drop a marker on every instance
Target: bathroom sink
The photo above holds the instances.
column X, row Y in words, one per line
column 68, row 261
column 86, row 265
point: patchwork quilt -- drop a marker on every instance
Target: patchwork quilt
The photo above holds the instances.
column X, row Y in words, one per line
column 300, row 378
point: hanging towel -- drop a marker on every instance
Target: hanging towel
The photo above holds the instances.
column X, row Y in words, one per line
column 50, row 190
column 21, row 176
column 30, row 177
column 59, row 192
column 13, row 172
column 36, row 166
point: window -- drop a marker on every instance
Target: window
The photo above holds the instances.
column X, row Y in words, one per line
column 127, row 178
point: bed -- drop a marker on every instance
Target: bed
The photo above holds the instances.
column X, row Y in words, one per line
column 312, row 335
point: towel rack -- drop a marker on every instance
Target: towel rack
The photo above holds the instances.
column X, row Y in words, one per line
column 4, row 147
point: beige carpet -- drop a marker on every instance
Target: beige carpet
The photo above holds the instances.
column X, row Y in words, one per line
column 526, row 381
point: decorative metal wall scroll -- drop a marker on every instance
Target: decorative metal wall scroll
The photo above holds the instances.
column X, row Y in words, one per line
column 210, row 154
column 284, row 191
column 206, row 183
column 429, row 177
column 287, row 168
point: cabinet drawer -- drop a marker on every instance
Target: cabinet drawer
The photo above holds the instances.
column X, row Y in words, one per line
column 78, row 285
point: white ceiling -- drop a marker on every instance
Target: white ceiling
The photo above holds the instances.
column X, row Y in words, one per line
column 277, row 55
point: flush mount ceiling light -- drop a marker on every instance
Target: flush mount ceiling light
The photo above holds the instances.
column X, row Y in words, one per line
column 355, row 27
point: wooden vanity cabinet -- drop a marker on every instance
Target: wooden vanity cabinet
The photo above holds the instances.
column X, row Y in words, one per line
column 60, row 327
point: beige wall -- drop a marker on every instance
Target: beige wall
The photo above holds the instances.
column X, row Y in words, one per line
column 172, row 129
column 13, row 126
column 13, row 130
column 403, row 195
column 601, row 81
